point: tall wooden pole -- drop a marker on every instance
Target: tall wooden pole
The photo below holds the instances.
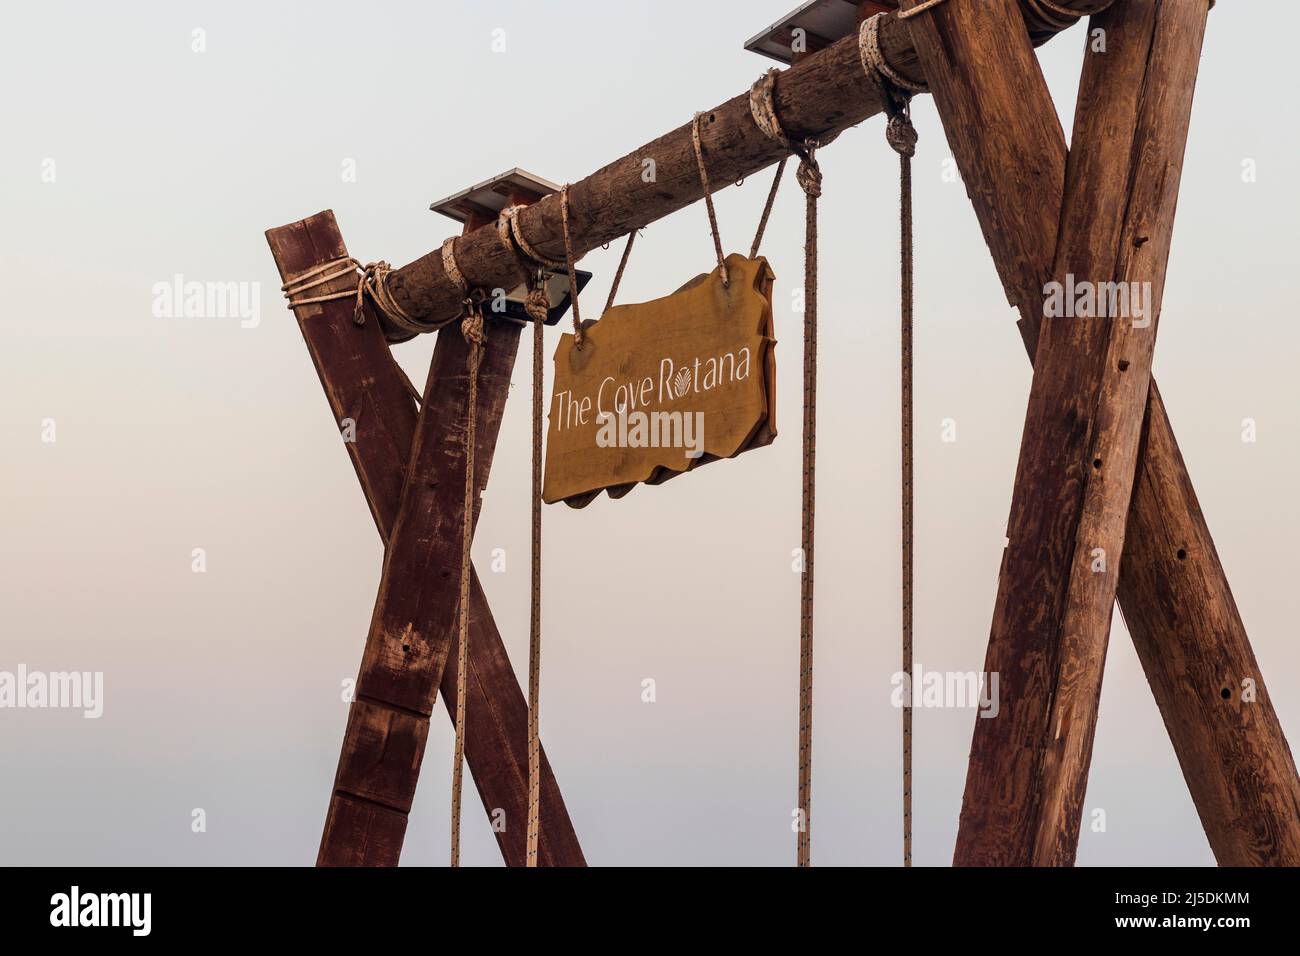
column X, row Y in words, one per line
column 370, row 398
column 1008, row 144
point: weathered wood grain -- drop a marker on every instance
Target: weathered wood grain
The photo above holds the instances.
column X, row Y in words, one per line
column 363, row 383
column 1007, row 141
column 1091, row 377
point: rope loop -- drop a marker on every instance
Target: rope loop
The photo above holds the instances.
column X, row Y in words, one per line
column 708, row 198
column 512, row 238
column 579, row 334
column 762, row 107
column 895, row 89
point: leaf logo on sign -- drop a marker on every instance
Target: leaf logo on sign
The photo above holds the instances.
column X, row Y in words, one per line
column 682, row 384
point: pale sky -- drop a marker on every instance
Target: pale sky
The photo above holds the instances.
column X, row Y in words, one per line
column 130, row 158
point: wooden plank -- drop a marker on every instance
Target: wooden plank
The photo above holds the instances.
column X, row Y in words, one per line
column 363, row 383
column 819, row 97
column 1008, row 144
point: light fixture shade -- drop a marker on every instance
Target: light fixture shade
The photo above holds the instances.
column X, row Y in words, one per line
column 557, row 293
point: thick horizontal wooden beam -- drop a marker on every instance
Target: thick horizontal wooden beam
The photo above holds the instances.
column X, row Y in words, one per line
column 822, row 95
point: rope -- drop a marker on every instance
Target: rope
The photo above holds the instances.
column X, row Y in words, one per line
column 708, row 197
column 888, row 80
column 767, row 208
column 513, row 238
column 578, row 334
column 372, row 280
column 537, row 307
column 810, row 178
column 1049, row 16
column 618, row 276
column 472, row 328
column 449, row 266
column 762, row 107
column 919, row 8
column 901, row 135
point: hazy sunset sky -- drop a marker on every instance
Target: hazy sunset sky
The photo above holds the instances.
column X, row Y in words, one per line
column 129, row 159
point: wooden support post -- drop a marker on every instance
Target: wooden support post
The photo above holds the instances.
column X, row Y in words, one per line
column 1091, row 378
column 366, row 388
column 1009, row 146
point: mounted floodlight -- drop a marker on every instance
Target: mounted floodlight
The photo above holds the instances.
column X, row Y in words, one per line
column 814, row 26
column 479, row 205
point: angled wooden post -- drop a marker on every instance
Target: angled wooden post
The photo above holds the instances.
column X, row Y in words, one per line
column 1092, row 373
column 1008, row 144
column 369, row 395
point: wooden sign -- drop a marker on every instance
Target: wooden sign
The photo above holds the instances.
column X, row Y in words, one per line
column 661, row 387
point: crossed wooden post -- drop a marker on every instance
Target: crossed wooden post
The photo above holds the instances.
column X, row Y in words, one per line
column 1076, row 486
column 1099, row 469
column 407, row 652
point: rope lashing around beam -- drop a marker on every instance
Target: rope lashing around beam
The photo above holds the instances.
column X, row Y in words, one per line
column 901, row 136
column 372, row 281
column 892, row 85
column 471, row 328
column 512, row 238
column 708, row 197
column 1051, row 17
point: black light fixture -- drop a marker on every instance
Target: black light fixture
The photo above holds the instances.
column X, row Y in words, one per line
column 482, row 204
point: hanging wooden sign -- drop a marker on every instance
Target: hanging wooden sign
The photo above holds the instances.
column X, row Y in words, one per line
column 661, row 387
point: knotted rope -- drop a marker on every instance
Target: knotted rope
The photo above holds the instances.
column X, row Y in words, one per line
column 901, row 136
column 471, row 328
column 762, row 106
column 537, row 306
column 708, row 197
column 809, row 178
column 372, row 281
